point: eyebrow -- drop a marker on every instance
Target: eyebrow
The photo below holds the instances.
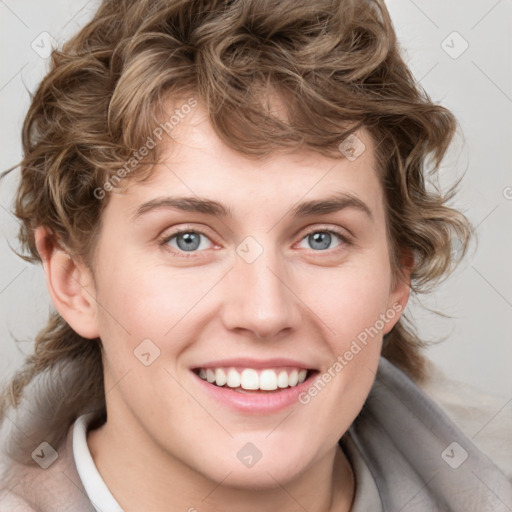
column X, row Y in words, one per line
column 330, row 204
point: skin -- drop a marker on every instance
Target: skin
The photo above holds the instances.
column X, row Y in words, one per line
column 167, row 445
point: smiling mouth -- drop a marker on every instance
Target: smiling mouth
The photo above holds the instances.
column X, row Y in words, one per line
column 250, row 380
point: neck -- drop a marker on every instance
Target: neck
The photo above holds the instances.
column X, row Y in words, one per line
column 145, row 477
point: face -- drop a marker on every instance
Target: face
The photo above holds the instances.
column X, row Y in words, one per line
column 284, row 298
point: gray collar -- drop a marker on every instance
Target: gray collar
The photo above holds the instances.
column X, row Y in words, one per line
column 419, row 459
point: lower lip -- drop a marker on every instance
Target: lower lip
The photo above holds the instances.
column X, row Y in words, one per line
column 254, row 402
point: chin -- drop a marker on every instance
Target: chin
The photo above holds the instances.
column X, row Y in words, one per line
column 258, row 478
column 250, row 469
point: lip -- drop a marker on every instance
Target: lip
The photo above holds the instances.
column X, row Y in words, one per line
column 255, row 402
column 242, row 362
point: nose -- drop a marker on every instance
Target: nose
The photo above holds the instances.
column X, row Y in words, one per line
column 259, row 298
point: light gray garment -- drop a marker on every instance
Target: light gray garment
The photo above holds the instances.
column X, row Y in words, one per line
column 400, row 446
column 419, row 458
column 366, row 497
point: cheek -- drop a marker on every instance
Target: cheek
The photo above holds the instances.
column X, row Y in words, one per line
column 350, row 300
column 146, row 300
column 352, row 303
column 150, row 315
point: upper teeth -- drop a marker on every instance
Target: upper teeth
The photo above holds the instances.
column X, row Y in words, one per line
column 252, row 379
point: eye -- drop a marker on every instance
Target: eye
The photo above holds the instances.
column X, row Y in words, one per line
column 321, row 239
column 192, row 241
column 186, row 240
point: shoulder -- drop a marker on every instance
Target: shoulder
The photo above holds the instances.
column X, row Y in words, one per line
column 484, row 418
column 414, row 435
column 22, row 487
column 10, row 502
column 55, row 486
column 11, row 485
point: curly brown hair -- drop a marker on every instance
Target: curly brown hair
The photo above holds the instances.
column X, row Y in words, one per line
column 334, row 64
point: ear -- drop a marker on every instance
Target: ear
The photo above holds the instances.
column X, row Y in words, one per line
column 400, row 290
column 70, row 284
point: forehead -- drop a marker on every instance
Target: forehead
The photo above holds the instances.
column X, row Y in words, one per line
column 196, row 162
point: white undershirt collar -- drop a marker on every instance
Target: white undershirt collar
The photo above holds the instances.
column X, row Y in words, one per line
column 95, row 487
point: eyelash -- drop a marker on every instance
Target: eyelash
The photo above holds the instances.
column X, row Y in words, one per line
column 193, row 254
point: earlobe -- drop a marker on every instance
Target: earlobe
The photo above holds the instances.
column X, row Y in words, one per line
column 399, row 296
column 69, row 283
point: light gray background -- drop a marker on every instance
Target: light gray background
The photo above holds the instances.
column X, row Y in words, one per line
column 476, row 85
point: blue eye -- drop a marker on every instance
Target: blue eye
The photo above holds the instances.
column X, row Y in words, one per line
column 186, row 240
column 320, row 240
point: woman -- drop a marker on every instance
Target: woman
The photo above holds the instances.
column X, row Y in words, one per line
column 229, row 203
